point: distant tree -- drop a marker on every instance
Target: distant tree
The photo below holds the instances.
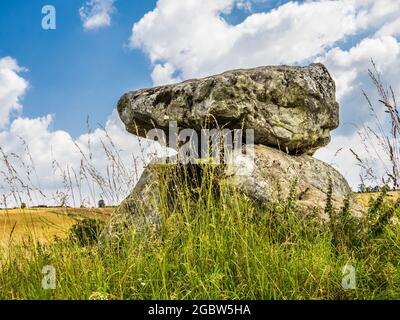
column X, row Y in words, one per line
column 101, row 204
column 23, row 205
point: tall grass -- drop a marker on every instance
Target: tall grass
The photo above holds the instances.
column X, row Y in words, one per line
column 215, row 243
column 380, row 137
column 80, row 184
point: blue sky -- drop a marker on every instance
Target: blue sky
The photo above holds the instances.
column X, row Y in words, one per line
column 73, row 72
column 51, row 80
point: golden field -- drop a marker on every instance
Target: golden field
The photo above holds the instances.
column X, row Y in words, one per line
column 43, row 224
column 364, row 198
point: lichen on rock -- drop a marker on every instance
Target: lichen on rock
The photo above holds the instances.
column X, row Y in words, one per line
column 289, row 108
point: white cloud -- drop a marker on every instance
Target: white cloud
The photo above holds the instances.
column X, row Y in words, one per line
column 56, row 152
column 391, row 28
column 339, row 155
column 163, row 74
column 12, row 88
column 192, row 39
column 34, row 157
column 244, row 5
column 96, row 14
column 350, row 71
column 35, row 160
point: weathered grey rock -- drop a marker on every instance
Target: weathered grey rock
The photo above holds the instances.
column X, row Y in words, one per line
column 273, row 173
column 266, row 178
column 141, row 208
column 290, row 108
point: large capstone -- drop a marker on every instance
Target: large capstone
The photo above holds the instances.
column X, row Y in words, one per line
column 289, row 108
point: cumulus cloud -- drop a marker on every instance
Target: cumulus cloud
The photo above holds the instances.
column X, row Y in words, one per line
column 57, row 167
column 391, row 28
column 340, row 155
column 244, row 5
column 346, row 65
column 12, row 88
column 164, row 74
column 192, row 39
column 349, row 68
column 96, row 14
column 39, row 165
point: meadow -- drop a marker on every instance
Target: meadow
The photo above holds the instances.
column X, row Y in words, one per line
column 43, row 225
column 211, row 245
column 217, row 247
